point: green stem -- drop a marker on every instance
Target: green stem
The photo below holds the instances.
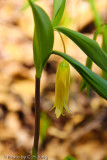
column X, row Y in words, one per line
column 37, row 119
column 62, row 41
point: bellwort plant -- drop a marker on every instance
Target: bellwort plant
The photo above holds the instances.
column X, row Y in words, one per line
column 43, row 48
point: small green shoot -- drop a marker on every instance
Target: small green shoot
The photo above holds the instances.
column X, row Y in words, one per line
column 69, row 158
column 26, row 5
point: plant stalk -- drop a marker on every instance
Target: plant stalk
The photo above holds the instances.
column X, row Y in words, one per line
column 37, row 119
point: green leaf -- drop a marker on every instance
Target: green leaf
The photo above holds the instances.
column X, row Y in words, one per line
column 89, row 65
column 43, row 38
column 69, row 158
column 89, row 62
column 34, row 154
column 44, row 125
column 97, row 17
column 66, row 20
column 104, row 75
column 104, row 47
column 26, row 5
column 96, row 82
column 88, row 46
column 58, row 9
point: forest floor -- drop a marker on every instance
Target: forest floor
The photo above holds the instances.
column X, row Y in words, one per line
column 82, row 135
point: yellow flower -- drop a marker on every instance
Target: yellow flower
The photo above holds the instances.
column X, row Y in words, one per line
column 62, row 89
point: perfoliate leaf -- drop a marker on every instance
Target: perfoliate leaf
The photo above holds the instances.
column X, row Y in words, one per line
column 96, row 82
column 43, row 38
column 90, row 47
column 58, row 9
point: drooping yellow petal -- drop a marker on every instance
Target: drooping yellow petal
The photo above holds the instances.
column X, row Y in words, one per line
column 59, row 98
column 62, row 88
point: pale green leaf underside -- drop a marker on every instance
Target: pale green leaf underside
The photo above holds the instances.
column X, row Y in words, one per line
column 96, row 82
column 58, row 9
column 88, row 46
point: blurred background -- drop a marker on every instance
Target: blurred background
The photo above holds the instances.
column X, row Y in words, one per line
column 82, row 135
